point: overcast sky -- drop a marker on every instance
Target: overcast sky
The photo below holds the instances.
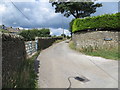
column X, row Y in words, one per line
column 42, row 15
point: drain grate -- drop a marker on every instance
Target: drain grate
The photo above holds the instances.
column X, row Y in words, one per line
column 82, row 79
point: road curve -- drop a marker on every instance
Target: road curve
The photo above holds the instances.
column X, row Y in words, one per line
column 58, row 63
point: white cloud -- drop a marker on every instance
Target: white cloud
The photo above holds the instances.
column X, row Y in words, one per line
column 108, row 0
column 19, row 0
column 43, row 0
column 26, row 0
column 0, row 20
column 41, row 14
column 45, row 9
column 26, row 9
column 14, row 23
column 59, row 31
column 2, row 8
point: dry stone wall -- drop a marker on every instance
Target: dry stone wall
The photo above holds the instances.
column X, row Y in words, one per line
column 45, row 42
column 13, row 55
column 99, row 39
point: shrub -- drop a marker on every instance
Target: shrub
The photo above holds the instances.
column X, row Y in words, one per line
column 96, row 22
column 31, row 34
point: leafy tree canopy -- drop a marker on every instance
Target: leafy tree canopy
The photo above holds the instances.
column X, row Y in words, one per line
column 63, row 35
column 31, row 34
column 76, row 9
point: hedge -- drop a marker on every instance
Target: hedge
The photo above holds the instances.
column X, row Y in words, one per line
column 104, row 21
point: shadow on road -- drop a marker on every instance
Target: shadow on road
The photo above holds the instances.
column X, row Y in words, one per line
column 37, row 66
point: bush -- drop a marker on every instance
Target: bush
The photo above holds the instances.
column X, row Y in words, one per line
column 31, row 34
column 96, row 22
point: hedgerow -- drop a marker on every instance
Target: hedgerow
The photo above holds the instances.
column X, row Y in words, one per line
column 106, row 21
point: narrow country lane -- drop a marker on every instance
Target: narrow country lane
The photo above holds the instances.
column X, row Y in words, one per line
column 58, row 63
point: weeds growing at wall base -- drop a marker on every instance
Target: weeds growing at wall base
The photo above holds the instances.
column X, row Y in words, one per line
column 27, row 76
column 108, row 53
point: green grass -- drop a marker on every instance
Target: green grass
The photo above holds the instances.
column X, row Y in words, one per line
column 27, row 75
column 72, row 45
column 24, row 76
column 105, row 53
column 111, row 53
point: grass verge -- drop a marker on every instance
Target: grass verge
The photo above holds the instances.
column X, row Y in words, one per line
column 111, row 53
column 27, row 75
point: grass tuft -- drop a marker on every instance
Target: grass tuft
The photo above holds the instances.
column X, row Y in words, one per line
column 72, row 45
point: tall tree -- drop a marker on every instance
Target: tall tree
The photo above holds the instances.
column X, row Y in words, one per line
column 76, row 9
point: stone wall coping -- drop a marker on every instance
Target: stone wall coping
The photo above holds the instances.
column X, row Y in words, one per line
column 47, row 37
column 9, row 36
column 84, row 32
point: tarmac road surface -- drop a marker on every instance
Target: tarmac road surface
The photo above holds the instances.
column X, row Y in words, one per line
column 59, row 65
